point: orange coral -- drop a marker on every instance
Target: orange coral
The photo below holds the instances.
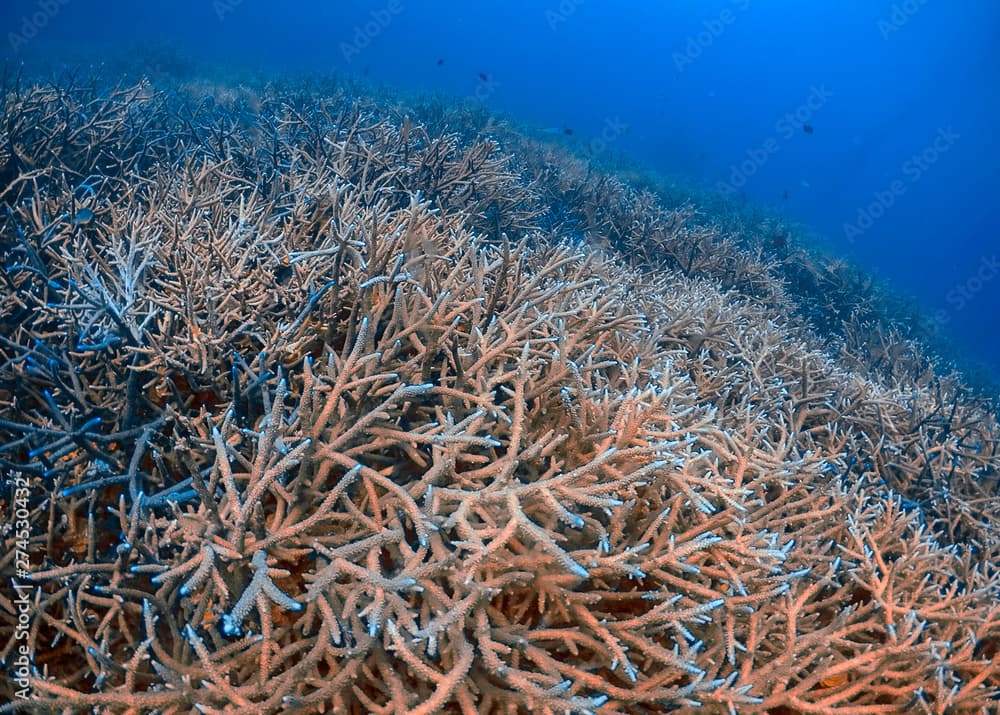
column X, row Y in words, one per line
column 336, row 421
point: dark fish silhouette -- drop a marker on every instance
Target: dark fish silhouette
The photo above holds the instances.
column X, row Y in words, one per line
column 807, row 128
column 567, row 131
column 440, row 62
column 483, row 77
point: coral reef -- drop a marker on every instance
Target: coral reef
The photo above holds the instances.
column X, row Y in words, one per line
column 309, row 406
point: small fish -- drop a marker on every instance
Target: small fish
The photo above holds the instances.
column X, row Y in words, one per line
column 784, row 195
column 483, row 77
column 83, row 217
column 440, row 62
column 567, row 131
column 807, row 128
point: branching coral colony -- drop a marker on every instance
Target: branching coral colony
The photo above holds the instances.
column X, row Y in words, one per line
column 310, row 410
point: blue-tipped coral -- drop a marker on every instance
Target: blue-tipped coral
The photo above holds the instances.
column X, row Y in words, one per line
column 322, row 407
column 260, row 590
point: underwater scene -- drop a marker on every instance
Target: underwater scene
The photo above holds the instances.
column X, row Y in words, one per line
column 565, row 356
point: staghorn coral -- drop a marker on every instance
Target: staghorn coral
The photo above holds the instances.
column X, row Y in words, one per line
column 319, row 411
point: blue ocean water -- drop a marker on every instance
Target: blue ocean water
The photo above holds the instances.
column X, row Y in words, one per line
column 871, row 123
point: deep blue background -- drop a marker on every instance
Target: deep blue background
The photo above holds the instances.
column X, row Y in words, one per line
column 693, row 88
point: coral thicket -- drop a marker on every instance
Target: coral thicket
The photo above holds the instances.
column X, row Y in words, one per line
column 320, row 403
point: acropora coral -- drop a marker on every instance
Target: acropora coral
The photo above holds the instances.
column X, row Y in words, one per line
column 316, row 403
